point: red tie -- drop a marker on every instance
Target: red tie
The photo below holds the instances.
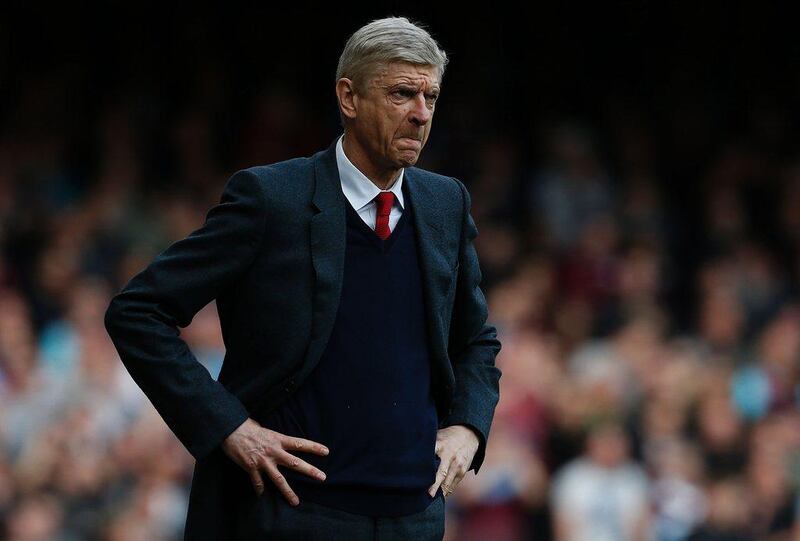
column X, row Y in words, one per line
column 384, row 202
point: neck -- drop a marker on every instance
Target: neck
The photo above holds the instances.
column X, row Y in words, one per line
column 382, row 177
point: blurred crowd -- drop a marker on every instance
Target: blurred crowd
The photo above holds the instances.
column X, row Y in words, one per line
column 637, row 404
column 641, row 263
column 650, row 369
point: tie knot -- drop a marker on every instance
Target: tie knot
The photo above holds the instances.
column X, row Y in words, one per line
column 384, row 201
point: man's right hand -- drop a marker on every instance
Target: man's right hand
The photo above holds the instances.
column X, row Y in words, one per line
column 255, row 448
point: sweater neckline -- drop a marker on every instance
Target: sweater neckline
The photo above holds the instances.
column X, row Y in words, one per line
column 383, row 245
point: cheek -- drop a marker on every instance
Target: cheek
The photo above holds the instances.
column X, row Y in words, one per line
column 392, row 127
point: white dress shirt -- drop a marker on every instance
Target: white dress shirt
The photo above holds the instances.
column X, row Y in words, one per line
column 361, row 191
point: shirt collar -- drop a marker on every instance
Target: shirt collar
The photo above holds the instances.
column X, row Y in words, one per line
column 358, row 189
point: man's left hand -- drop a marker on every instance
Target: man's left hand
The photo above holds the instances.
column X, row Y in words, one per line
column 456, row 445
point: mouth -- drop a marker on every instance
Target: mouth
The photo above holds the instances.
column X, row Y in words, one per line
column 413, row 140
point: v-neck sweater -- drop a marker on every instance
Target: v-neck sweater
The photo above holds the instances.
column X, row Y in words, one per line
column 369, row 398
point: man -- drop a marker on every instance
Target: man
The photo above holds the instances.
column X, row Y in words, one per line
column 359, row 372
column 603, row 494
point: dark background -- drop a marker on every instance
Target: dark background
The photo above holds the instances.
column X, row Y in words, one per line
column 690, row 82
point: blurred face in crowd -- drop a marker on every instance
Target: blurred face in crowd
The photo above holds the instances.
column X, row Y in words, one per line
column 607, row 445
column 389, row 116
column 729, row 503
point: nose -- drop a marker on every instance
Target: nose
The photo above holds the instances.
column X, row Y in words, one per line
column 420, row 114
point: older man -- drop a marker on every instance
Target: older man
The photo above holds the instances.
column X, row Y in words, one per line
column 359, row 374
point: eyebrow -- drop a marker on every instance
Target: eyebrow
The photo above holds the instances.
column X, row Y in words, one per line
column 411, row 86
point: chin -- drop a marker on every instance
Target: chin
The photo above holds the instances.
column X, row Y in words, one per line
column 408, row 160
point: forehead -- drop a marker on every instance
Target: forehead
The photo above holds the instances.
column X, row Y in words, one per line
column 398, row 72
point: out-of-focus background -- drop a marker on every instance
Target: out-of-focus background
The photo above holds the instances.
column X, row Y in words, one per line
column 635, row 177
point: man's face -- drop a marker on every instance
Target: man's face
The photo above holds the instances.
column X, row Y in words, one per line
column 394, row 113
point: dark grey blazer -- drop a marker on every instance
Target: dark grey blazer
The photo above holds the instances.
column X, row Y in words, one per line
column 272, row 255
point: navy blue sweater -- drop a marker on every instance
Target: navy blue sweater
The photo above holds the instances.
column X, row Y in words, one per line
column 369, row 399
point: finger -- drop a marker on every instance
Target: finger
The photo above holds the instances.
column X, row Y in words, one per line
column 300, row 465
column 302, row 444
column 258, row 482
column 441, row 475
column 454, row 475
column 279, row 481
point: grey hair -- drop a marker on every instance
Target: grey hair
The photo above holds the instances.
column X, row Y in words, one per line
column 393, row 39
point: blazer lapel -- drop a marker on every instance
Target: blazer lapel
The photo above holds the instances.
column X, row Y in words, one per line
column 328, row 237
column 436, row 275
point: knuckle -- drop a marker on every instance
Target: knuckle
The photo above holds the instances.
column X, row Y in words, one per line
column 277, row 477
column 272, row 439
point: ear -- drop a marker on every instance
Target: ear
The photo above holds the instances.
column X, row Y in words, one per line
column 348, row 101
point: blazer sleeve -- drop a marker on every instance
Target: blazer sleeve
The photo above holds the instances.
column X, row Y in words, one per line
column 473, row 344
column 142, row 319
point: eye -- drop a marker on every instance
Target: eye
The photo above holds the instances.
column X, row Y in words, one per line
column 404, row 92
